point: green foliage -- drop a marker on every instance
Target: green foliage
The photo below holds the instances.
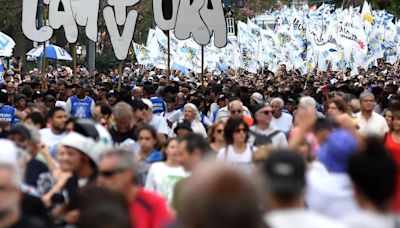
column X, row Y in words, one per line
column 392, row 6
column 106, row 61
column 11, row 17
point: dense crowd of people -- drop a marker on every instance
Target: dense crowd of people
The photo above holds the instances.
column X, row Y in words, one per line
column 140, row 148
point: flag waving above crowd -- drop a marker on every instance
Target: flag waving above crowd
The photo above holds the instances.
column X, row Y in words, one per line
column 303, row 39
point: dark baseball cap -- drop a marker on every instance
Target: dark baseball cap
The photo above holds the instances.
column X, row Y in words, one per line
column 284, row 172
column 19, row 97
column 50, row 97
column 138, row 105
column 80, row 85
column 325, row 124
column 183, row 125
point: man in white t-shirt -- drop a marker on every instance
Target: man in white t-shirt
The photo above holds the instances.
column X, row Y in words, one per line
column 280, row 120
column 370, row 122
column 262, row 129
column 158, row 122
column 283, row 173
column 53, row 135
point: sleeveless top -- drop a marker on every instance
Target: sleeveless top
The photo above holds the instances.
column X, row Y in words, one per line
column 81, row 108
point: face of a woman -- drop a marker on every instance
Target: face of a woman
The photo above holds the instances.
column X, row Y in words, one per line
column 389, row 117
column 219, row 133
column 172, row 151
column 396, row 124
column 146, row 140
column 189, row 114
column 240, row 134
column 333, row 110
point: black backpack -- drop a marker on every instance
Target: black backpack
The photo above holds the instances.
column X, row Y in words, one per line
column 261, row 139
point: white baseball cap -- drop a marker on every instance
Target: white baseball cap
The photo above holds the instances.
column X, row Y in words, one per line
column 81, row 143
column 148, row 103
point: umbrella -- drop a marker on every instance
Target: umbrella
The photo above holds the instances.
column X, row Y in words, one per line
column 52, row 52
column 6, row 45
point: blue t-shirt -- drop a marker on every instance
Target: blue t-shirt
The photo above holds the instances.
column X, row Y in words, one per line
column 159, row 105
column 7, row 114
column 81, row 108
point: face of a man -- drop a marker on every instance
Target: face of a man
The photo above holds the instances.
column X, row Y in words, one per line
column 112, row 177
column 79, row 91
column 61, row 89
column 236, row 109
column 368, row 103
column 123, row 125
column 22, row 103
column 58, row 120
column 138, row 92
column 70, row 159
column 112, row 100
column 276, row 108
column 264, row 115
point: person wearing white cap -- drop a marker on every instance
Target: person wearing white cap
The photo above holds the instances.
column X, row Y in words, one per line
column 80, row 154
column 257, row 98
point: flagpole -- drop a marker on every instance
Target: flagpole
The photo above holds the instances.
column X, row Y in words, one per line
column 44, row 54
column 169, row 57
column 202, row 66
column 74, row 60
column 120, row 77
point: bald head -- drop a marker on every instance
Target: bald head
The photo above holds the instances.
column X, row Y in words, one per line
column 180, row 98
column 236, row 108
column 137, row 92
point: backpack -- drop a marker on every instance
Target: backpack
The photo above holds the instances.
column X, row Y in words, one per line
column 261, row 139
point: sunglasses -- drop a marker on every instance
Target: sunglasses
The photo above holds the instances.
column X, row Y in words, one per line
column 236, row 112
column 110, row 173
column 266, row 112
column 219, row 131
column 238, row 130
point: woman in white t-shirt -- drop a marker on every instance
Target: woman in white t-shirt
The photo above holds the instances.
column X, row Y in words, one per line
column 163, row 176
column 191, row 114
column 238, row 153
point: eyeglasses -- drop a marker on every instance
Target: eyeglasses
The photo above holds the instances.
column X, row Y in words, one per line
column 238, row 130
column 110, row 173
column 233, row 112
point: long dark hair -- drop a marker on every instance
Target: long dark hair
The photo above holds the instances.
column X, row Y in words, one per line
column 149, row 128
column 231, row 126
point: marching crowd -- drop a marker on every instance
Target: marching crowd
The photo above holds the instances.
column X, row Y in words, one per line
column 141, row 149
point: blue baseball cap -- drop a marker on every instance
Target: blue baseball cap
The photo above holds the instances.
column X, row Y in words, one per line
column 337, row 150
